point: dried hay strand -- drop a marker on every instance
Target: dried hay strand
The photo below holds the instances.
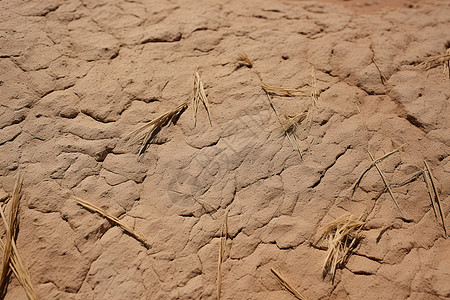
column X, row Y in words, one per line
column 244, row 61
column 11, row 232
column 283, row 281
column 434, row 195
column 289, row 130
column 436, row 60
column 199, row 96
column 386, row 184
column 372, row 164
column 11, row 259
column 342, row 236
column 279, row 91
column 148, row 131
column 382, row 77
column 137, row 235
column 223, row 243
column 299, row 124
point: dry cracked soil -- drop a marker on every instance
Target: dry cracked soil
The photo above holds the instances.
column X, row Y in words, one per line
column 76, row 77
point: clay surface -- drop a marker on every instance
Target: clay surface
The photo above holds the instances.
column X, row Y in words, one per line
column 77, row 76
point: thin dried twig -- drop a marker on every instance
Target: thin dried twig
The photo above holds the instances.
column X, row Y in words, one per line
column 434, row 195
column 13, row 261
column 376, row 161
column 386, row 184
column 283, row 281
column 223, row 243
column 410, row 179
column 199, row 96
column 244, row 60
column 138, row 236
column 148, row 131
column 342, row 236
column 382, row 77
column 288, row 130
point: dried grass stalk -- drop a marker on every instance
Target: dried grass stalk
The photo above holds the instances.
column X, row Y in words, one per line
column 199, row 96
column 289, row 130
column 411, row 178
column 376, row 161
column 148, row 131
column 434, row 195
column 11, row 233
column 436, row 60
column 382, row 77
column 287, row 285
column 341, row 236
column 138, row 236
column 386, row 184
column 279, row 91
column 296, row 125
column 223, row 243
column 13, row 260
column 244, row 60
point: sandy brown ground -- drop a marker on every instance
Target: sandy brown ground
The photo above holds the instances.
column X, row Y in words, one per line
column 77, row 76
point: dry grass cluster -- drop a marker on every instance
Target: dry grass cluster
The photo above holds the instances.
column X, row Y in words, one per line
column 296, row 125
column 11, row 259
column 437, row 60
column 341, row 236
column 147, row 132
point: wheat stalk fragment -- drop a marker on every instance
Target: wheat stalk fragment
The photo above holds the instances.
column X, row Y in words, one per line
column 222, row 245
column 440, row 59
column 434, row 195
column 341, row 236
column 285, row 283
column 244, row 61
column 289, row 130
column 148, row 131
column 386, row 184
column 199, row 96
column 137, row 235
column 293, row 125
column 11, row 257
column 372, row 164
column 279, row 91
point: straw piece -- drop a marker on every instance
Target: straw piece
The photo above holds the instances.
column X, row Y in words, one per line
column 288, row 130
column 223, row 243
column 199, row 96
column 376, row 161
column 11, row 233
column 138, row 236
column 287, row 285
column 244, row 61
column 410, row 179
column 148, row 131
column 435, row 60
column 382, row 77
column 342, row 236
column 279, row 91
column 434, row 195
column 14, row 262
column 383, row 177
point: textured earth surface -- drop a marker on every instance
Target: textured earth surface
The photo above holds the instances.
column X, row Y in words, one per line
column 77, row 76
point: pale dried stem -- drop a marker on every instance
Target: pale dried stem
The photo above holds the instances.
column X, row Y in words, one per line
column 288, row 286
column 137, row 235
